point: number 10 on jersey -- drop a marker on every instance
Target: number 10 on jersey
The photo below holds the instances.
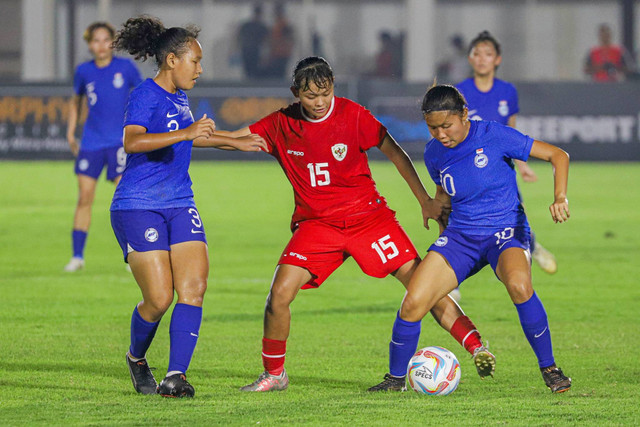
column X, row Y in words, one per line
column 318, row 174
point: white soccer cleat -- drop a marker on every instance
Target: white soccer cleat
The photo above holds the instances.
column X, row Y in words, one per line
column 544, row 259
column 75, row 264
column 456, row 295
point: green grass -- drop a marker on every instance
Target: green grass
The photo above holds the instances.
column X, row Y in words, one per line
column 63, row 336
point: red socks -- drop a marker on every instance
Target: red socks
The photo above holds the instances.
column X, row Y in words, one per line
column 465, row 332
column 273, row 352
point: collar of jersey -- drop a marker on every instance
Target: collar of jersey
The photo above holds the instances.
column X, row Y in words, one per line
column 326, row 116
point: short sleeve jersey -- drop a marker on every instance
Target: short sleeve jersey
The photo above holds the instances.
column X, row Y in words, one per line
column 157, row 179
column 500, row 103
column 479, row 176
column 325, row 160
column 107, row 90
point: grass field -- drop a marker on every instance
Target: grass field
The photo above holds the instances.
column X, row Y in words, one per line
column 63, row 336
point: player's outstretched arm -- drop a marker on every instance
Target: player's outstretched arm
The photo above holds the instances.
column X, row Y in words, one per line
column 242, row 140
column 137, row 140
column 431, row 208
column 560, row 161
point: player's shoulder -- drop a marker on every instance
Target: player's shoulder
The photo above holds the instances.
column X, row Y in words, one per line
column 149, row 90
column 85, row 67
column 465, row 84
column 504, row 85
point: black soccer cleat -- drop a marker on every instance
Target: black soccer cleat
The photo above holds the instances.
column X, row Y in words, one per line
column 141, row 376
column 555, row 379
column 176, row 385
column 390, row 383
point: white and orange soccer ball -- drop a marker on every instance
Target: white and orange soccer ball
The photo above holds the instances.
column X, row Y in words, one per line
column 434, row 371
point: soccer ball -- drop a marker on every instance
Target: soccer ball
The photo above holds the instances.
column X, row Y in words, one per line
column 434, row 371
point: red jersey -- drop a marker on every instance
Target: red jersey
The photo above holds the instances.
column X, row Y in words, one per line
column 325, row 160
column 609, row 61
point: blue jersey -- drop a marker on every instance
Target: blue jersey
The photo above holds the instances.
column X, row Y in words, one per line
column 106, row 89
column 500, row 103
column 478, row 174
column 157, row 179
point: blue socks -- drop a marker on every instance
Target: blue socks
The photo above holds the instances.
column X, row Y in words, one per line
column 78, row 237
column 183, row 333
column 403, row 345
column 142, row 333
column 533, row 319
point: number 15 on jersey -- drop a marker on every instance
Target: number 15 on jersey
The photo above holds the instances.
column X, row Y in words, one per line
column 319, row 174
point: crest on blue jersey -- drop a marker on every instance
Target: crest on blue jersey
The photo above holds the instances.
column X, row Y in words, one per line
column 83, row 164
column 443, row 240
column 118, row 80
column 503, row 108
column 481, row 160
column 151, row 235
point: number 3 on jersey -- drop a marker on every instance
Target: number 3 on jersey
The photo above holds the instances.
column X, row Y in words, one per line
column 381, row 245
column 318, row 174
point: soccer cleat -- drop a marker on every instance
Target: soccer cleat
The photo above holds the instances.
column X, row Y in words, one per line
column 390, row 383
column 75, row 264
column 141, row 376
column 268, row 382
column 485, row 361
column 176, row 385
column 544, row 259
column 555, row 379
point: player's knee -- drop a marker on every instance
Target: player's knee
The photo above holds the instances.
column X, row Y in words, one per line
column 279, row 298
column 158, row 305
column 85, row 199
column 412, row 310
column 192, row 293
column 520, row 290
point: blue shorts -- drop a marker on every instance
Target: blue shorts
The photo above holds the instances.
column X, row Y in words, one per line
column 467, row 254
column 91, row 163
column 142, row 230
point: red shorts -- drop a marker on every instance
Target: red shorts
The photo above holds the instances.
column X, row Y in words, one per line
column 375, row 240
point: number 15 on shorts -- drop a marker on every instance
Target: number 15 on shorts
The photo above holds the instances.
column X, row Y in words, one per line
column 385, row 248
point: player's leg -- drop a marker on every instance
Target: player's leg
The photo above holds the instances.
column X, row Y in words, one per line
column 190, row 269
column 287, row 281
column 315, row 250
column 152, row 272
column 81, row 221
column 452, row 319
column 514, row 270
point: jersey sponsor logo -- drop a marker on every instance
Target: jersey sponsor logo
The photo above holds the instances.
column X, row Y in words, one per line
column 118, row 80
column 169, row 115
column 293, row 254
column 194, row 231
column 151, row 235
column 442, row 241
column 481, row 160
column 296, row 153
column 503, row 108
column 83, row 164
column 339, row 151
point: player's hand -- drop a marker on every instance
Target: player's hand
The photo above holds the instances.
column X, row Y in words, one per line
column 252, row 142
column 73, row 145
column 560, row 210
column 431, row 209
column 528, row 175
column 202, row 128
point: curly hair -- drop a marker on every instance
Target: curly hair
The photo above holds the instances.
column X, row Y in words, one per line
column 145, row 37
column 88, row 33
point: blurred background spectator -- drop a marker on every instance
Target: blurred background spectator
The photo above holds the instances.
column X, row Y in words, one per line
column 455, row 68
column 389, row 57
column 281, row 43
column 608, row 62
column 251, row 38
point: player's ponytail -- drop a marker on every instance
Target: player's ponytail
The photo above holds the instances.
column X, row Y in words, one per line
column 145, row 37
column 314, row 69
column 443, row 98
